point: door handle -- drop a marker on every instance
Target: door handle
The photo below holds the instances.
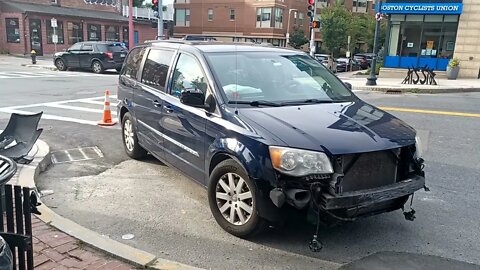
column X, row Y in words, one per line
column 168, row 108
column 156, row 103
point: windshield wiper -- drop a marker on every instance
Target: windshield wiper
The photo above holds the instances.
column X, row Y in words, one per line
column 312, row 101
column 256, row 103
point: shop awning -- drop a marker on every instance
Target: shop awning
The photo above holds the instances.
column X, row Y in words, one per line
column 61, row 11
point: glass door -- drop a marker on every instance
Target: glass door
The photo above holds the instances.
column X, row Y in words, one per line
column 36, row 36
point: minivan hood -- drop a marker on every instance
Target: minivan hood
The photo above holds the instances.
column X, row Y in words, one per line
column 336, row 128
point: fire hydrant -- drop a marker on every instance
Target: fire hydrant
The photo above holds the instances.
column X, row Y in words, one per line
column 33, row 54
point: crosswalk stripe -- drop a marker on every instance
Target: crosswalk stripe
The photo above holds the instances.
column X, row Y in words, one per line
column 96, row 102
column 75, row 108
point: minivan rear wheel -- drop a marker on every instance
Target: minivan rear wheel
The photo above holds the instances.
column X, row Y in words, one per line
column 233, row 200
column 130, row 140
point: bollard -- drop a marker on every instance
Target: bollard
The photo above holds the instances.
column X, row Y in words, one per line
column 33, row 54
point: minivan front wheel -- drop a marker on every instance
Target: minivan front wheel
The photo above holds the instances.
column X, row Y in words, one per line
column 232, row 199
column 130, row 140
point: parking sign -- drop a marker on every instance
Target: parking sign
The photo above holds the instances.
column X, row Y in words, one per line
column 54, row 22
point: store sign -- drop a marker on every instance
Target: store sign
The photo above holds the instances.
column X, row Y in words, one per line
column 422, row 8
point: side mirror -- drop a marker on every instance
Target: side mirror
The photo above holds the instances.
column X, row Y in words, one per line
column 194, row 98
column 348, row 85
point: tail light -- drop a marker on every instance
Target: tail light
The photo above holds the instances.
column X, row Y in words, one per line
column 109, row 55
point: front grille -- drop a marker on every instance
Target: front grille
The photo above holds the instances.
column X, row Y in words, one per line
column 369, row 170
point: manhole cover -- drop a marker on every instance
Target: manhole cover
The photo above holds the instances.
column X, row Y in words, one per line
column 76, row 154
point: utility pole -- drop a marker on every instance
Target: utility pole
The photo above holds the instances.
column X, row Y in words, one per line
column 130, row 24
column 312, row 11
column 372, row 79
column 160, row 20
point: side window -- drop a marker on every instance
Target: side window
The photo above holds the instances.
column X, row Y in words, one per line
column 188, row 76
column 132, row 63
column 156, row 68
column 88, row 48
column 75, row 47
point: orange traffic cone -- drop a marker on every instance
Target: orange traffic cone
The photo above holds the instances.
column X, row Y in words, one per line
column 107, row 114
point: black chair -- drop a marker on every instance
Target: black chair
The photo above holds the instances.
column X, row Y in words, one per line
column 22, row 132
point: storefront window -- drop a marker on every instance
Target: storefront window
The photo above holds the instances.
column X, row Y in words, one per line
column 58, row 31
column 94, row 32
column 112, row 33
column 75, row 32
column 125, row 34
column 13, row 30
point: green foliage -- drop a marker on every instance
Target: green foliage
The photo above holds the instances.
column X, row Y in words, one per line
column 454, row 63
column 336, row 24
column 298, row 39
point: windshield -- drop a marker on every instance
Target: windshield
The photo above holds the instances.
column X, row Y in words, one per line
column 274, row 77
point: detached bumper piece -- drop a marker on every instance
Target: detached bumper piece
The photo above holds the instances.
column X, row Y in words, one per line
column 374, row 196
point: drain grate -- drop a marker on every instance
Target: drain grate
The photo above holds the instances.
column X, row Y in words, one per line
column 76, row 154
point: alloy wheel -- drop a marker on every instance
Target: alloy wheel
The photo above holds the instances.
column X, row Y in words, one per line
column 128, row 135
column 234, row 199
column 60, row 65
column 97, row 67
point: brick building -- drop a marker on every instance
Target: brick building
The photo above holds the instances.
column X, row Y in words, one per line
column 251, row 20
column 26, row 24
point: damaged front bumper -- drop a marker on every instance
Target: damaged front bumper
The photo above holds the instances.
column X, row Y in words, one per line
column 368, row 197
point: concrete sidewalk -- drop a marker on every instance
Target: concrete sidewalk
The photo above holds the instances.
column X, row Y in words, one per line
column 395, row 85
column 45, row 62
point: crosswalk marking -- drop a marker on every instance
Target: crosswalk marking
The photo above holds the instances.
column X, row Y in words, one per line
column 64, row 105
column 44, row 74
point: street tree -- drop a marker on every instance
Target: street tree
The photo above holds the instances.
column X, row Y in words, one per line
column 336, row 25
column 298, row 38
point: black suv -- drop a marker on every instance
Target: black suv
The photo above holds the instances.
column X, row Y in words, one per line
column 265, row 129
column 96, row 56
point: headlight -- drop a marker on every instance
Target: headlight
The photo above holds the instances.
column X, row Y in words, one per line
column 297, row 162
column 418, row 147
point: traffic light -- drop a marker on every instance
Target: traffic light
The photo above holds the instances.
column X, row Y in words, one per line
column 155, row 5
column 311, row 9
column 316, row 24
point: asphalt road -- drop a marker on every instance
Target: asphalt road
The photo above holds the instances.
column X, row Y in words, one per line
column 169, row 214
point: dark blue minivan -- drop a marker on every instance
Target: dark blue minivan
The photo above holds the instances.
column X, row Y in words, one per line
column 265, row 130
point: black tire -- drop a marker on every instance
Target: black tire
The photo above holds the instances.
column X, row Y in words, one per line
column 254, row 224
column 118, row 69
column 60, row 65
column 97, row 67
column 134, row 150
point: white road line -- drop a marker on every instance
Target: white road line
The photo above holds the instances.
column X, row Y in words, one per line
column 83, row 153
column 92, row 102
column 70, row 158
column 112, row 97
column 97, row 150
column 52, row 117
column 75, row 108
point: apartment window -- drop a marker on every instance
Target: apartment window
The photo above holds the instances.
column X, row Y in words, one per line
column 13, row 30
column 112, row 33
column 278, row 18
column 264, row 17
column 232, row 14
column 94, row 32
column 210, row 14
column 182, row 1
column 58, row 31
column 75, row 32
column 322, row 3
column 300, row 18
column 360, row 6
column 182, row 17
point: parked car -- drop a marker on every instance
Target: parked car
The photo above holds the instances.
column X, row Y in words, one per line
column 368, row 57
column 327, row 61
column 96, row 56
column 274, row 131
column 362, row 60
column 347, row 64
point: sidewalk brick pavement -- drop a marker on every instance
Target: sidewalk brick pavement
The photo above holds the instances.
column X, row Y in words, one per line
column 54, row 249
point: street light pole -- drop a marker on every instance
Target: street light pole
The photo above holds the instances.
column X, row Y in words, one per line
column 288, row 26
column 372, row 79
column 160, row 20
column 130, row 24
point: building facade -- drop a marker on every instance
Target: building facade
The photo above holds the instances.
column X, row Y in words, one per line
column 250, row 20
column 430, row 33
column 26, row 25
